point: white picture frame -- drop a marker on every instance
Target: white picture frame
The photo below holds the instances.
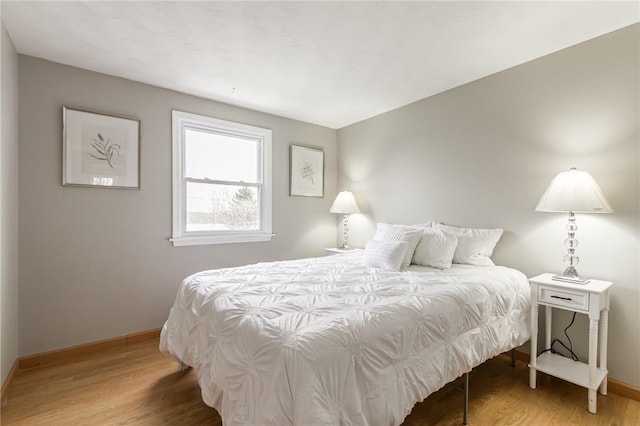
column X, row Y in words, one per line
column 100, row 150
column 306, row 171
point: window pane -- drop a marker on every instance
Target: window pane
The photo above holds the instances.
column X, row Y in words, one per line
column 213, row 207
column 220, row 157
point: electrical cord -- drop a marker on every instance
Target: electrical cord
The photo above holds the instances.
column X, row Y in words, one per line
column 569, row 348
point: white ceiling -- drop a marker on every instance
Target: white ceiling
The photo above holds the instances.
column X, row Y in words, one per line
column 329, row 63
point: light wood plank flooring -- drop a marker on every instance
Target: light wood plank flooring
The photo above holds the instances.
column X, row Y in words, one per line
column 137, row 385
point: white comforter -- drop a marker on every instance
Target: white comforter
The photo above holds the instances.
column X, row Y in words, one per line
column 327, row 341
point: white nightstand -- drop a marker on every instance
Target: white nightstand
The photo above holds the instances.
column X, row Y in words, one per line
column 338, row 250
column 591, row 299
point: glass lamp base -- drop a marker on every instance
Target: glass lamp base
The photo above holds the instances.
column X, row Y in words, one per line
column 570, row 276
column 345, row 232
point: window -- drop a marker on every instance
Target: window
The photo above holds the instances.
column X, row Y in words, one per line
column 221, row 181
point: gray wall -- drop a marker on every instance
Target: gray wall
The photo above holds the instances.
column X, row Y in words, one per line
column 9, row 205
column 97, row 263
column 482, row 154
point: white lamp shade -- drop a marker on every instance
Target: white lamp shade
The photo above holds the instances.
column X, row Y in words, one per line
column 345, row 203
column 574, row 191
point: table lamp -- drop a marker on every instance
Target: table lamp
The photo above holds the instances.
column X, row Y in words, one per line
column 574, row 191
column 345, row 204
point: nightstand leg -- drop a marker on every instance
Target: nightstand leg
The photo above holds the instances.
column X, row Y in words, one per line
column 547, row 327
column 593, row 346
column 604, row 327
column 534, row 345
column 593, row 401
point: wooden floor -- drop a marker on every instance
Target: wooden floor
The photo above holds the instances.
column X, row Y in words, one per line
column 137, row 385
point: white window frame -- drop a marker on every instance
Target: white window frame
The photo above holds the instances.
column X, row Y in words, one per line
column 180, row 237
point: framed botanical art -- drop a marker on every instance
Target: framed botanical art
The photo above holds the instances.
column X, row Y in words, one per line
column 306, row 171
column 100, row 150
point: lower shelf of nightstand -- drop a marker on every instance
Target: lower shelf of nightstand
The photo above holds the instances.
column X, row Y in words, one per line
column 568, row 369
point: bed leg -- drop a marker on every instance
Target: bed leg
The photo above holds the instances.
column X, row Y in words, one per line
column 466, row 399
column 513, row 357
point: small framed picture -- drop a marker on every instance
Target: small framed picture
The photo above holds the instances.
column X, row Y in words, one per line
column 306, row 174
column 100, row 150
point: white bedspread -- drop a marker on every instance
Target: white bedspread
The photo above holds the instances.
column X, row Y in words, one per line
column 327, row 341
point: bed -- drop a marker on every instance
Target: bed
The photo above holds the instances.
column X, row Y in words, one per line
column 331, row 341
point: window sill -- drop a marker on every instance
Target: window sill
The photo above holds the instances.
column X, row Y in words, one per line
column 221, row 239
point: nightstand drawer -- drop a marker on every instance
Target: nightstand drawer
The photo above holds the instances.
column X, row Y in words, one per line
column 563, row 298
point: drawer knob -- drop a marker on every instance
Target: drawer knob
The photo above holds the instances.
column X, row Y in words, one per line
column 560, row 297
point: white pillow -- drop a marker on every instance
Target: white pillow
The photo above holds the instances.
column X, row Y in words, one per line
column 385, row 254
column 427, row 224
column 435, row 249
column 387, row 232
column 475, row 246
